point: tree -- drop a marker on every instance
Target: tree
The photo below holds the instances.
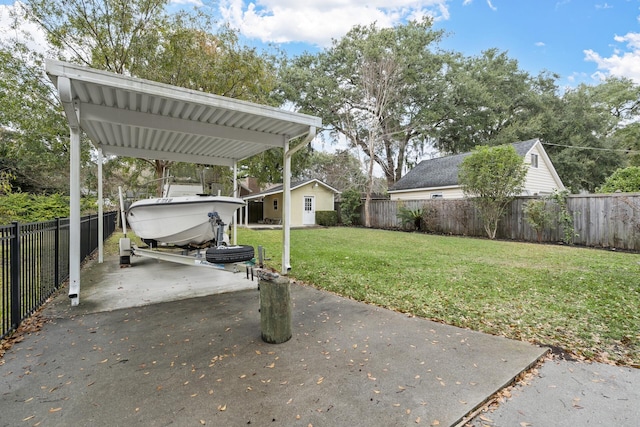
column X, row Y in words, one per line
column 489, row 101
column 336, row 85
column 34, row 136
column 341, row 170
column 493, row 176
column 588, row 129
column 138, row 38
column 625, row 180
column 104, row 34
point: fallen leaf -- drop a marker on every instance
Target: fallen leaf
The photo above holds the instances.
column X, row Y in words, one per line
column 525, row 424
column 103, row 361
column 203, row 422
column 271, row 365
column 28, row 418
column 418, row 420
column 222, row 407
column 435, row 423
column 55, row 409
column 320, row 380
column 483, row 418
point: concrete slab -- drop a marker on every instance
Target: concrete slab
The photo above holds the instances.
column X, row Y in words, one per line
column 572, row 394
column 201, row 361
column 107, row 286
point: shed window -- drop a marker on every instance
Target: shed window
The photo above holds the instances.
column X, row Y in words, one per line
column 436, row 195
column 534, row 160
column 275, row 204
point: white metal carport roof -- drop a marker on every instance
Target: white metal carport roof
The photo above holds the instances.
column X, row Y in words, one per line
column 140, row 118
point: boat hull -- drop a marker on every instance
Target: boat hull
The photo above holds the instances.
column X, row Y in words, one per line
column 180, row 221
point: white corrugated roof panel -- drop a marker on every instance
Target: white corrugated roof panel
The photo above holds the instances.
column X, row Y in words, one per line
column 141, row 118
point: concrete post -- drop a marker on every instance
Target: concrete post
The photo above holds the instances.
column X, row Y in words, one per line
column 275, row 307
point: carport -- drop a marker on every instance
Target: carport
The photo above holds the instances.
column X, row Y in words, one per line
column 140, row 118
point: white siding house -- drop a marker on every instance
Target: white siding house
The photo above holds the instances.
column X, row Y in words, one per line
column 438, row 178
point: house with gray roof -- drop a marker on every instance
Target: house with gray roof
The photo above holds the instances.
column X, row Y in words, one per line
column 438, row 178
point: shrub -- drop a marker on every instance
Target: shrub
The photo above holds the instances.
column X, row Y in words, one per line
column 625, row 180
column 350, row 206
column 411, row 217
column 565, row 217
column 25, row 207
column 327, row 218
column 538, row 216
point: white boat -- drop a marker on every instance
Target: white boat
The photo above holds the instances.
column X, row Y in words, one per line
column 182, row 220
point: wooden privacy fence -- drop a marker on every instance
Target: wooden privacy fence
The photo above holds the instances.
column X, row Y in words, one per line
column 600, row 220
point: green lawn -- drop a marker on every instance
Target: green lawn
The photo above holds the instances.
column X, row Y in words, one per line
column 585, row 301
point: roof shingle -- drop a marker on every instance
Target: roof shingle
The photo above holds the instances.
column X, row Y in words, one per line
column 443, row 171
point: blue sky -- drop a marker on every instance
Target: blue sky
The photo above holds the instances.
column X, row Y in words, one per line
column 582, row 40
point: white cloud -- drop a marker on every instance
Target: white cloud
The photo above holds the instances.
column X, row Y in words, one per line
column 15, row 26
column 187, row 2
column 622, row 63
column 540, row 44
column 319, row 21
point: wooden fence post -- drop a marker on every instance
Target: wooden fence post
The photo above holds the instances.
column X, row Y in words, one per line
column 275, row 307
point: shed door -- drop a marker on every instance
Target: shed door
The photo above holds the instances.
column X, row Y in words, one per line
column 309, row 212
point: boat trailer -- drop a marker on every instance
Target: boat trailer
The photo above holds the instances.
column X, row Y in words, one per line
column 196, row 257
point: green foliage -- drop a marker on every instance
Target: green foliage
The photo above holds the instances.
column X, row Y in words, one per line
column 538, row 216
column 565, row 217
column 411, row 217
column 340, row 170
column 493, row 176
column 625, row 180
column 590, row 117
column 350, row 206
column 491, row 101
column 105, row 34
column 327, row 218
column 25, row 207
column 5, row 182
column 400, row 65
column 574, row 298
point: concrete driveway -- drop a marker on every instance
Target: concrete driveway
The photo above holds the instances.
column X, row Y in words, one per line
column 165, row 344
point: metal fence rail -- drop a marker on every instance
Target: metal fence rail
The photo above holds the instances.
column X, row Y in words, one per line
column 35, row 262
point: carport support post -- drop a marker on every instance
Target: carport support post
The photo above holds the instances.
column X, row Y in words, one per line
column 235, row 194
column 286, row 210
column 74, row 218
column 275, row 307
column 100, row 211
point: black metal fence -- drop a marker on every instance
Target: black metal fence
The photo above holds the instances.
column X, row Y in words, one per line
column 35, row 262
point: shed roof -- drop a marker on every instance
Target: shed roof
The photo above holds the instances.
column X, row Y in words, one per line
column 279, row 189
column 443, row 171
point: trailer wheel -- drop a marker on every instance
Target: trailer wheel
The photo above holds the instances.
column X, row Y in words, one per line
column 229, row 254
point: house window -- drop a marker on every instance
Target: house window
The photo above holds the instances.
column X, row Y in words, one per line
column 534, row 160
column 275, row 204
column 436, row 195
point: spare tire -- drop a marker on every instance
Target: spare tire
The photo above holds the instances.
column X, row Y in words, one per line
column 228, row 254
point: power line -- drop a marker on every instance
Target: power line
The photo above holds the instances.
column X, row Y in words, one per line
column 594, row 148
